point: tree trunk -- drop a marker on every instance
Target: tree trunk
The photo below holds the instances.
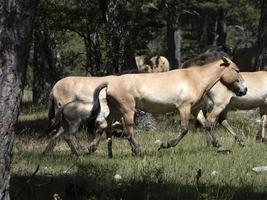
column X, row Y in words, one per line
column 221, row 29
column 15, row 37
column 93, row 53
column 173, row 42
column 120, row 52
column 261, row 60
column 46, row 61
column 207, row 37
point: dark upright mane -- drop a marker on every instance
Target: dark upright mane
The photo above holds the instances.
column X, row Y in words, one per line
column 205, row 58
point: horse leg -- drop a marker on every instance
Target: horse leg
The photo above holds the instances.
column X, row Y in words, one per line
column 71, row 140
column 223, row 121
column 211, row 119
column 101, row 127
column 52, row 143
column 199, row 115
column 184, row 115
column 109, row 141
column 128, row 122
column 261, row 133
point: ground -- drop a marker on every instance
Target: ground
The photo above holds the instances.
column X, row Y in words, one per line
column 191, row 170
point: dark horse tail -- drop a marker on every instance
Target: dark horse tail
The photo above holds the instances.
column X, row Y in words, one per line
column 51, row 111
column 96, row 106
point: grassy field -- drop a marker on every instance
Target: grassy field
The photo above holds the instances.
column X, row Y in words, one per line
column 166, row 174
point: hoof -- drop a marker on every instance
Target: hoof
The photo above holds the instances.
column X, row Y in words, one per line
column 87, row 151
column 164, row 145
column 138, row 152
column 223, row 150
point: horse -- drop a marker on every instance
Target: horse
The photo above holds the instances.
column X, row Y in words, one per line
column 256, row 97
column 154, row 65
column 69, row 117
column 143, row 64
column 180, row 89
column 160, row 64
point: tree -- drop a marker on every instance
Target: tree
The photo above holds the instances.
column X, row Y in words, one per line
column 120, row 52
column 46, row 58
column 173, row 34
column 261, row 60
column 16, row 19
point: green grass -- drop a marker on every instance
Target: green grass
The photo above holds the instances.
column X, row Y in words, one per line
column 165, row 174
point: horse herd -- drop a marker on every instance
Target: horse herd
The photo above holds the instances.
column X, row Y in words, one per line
column 102, row 101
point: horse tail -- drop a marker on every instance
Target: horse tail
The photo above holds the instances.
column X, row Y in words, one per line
column 96, row 106
column 51, row 107
column 55, row 122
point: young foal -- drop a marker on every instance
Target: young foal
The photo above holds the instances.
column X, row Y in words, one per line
column 225, row 99
column 69, row 117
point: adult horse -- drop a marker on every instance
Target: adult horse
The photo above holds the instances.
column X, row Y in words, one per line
column 160, row 64
column 153, row 65
column 256, row 97
column 180, row 89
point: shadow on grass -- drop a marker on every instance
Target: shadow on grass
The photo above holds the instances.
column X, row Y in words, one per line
column 36, row 128
column 94, row 181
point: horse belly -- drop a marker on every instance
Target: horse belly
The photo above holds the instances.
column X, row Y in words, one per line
column 247, row 104
column 155, row 107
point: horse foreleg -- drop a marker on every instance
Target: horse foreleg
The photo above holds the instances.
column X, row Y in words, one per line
column 109, row 141
column 184, row 116
column 128, row 122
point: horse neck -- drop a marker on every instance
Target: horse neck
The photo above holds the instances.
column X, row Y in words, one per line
column 209, row 75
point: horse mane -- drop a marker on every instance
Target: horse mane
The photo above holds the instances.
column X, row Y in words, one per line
column 205, row 58
column 157, row 61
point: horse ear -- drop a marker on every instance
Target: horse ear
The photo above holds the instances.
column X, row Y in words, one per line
column 225, row 63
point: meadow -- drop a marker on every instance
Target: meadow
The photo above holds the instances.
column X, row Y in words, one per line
column 191, row 170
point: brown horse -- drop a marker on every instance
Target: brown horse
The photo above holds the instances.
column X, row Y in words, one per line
column 256, row 97
column 160, row 64
column 153, row 65
column 69, row 117
column 180, row 89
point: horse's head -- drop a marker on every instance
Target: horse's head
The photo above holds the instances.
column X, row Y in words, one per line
column 232, row 78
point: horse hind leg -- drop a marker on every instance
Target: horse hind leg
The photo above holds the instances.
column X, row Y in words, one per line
column 71, row 139
column 128, row 122
column 109, row 142
column 52, row 143
column 225, row 124
column 100, row 129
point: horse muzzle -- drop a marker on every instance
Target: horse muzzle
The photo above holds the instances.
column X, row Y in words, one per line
column 242, row 91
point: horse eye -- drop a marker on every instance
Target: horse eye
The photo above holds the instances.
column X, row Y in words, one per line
column 237, row 70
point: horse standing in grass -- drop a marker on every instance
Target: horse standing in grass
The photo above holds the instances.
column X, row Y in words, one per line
column 180, row 89
column 256, row 97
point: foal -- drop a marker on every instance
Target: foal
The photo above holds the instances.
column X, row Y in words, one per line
column 69, row 117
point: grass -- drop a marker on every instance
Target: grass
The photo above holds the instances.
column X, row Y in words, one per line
column 166, row 174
